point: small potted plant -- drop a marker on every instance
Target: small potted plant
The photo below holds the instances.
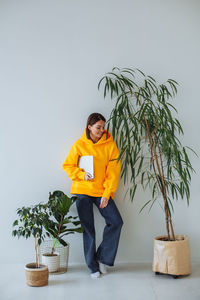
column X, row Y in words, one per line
column 56, row 224
column 30, row 224
column 147, row 132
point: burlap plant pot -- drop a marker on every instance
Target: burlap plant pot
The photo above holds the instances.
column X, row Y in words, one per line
column 172, row 257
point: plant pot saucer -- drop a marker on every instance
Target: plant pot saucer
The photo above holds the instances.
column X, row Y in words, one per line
column 60, row 271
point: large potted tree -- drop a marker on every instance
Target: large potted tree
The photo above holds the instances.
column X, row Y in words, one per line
column 58, row 224
column 30, row 224
column 147, row 132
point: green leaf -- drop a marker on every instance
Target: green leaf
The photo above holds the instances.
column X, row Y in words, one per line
column 144, row 205
column 15, row 223
column 133, row 191
column 101, row 82
column 192, row 151
column 140, row 72
column 14, row 232
column 140, row 165
column 173, row 81
column 172, row 107
column 66, row 220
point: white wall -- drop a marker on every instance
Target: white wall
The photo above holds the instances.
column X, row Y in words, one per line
column 52, row 55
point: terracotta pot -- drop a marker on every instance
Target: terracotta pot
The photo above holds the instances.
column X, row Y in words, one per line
column 172, row 257
column 36, row 276
column 51, row 261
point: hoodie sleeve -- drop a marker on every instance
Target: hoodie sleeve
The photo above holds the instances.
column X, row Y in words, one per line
column 112, row 173
column 70, row 165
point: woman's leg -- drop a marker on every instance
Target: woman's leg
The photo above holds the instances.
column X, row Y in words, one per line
column 85, row 211
column 107, row 250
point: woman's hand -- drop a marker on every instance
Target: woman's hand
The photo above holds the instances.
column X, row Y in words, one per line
column 104, row 202
column 88, row 176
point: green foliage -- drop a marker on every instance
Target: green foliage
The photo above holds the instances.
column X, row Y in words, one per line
column 30, row 222
column 56, row 226
column 49, row 219
column 147, row 133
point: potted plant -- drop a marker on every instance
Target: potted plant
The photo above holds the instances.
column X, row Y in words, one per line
column 30, row 224
column 147, row 132
column 56, row 224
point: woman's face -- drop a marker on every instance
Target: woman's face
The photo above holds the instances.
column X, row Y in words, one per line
column 97, row 129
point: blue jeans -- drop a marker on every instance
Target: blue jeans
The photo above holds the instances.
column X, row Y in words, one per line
column 107, row 250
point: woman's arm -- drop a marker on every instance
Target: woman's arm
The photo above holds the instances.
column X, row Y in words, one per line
column 112, row 173
column 70, row 165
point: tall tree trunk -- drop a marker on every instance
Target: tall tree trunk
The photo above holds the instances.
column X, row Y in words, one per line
column 36, row 252
column 162, row 187
column 167, row 211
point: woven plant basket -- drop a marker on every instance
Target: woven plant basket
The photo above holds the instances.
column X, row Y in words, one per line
column 51, row 261
column 63, row 251
column 36, row 276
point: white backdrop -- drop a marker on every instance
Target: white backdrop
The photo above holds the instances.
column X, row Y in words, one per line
column 52, row 55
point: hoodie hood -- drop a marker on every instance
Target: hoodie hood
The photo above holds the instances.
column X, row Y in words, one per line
column 102, row 140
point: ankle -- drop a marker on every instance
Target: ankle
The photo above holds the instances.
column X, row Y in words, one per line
column 102, row 268
column 95, row 274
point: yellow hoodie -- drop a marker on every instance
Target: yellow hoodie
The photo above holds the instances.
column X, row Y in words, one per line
column 106, row 167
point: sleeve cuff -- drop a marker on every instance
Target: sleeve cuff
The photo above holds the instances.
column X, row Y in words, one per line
column 106, row 194
column 82, row 175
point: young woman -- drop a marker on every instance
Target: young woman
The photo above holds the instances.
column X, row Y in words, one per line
column 98, row 190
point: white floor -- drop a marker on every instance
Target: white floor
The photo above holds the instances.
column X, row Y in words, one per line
column 123, row 282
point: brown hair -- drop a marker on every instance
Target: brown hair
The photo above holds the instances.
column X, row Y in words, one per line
column 92, row 119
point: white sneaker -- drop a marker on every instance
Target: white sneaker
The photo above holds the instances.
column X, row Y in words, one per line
column 102, row 268
column 95, row 275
